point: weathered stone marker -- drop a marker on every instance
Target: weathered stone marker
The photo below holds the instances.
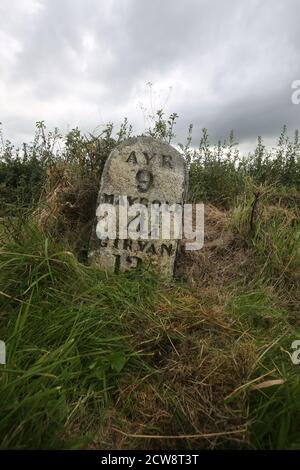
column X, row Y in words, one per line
column 140, row 171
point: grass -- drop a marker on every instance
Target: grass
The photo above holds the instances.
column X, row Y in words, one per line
column 133, row 361
column 66, row 341
column 277, row 413
column 273, row 229
column 130, row 361
column 271, row 313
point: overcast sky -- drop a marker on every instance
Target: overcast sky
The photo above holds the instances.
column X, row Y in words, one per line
column 219, row 64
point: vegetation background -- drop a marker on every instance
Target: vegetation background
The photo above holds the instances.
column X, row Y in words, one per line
column 132, row 361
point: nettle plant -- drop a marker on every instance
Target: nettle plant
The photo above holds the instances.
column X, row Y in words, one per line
column 217, row 171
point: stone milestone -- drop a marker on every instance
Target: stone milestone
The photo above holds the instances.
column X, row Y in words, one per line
column 140, row 171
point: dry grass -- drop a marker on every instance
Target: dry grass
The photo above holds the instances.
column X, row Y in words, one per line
column 68, row 205
column 199, row 357
column 224, row 257
column 207, row 361
column 202, row 343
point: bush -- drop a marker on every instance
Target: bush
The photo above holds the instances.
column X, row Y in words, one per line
column 218, row 174
column 269, row 222
column 25, row 172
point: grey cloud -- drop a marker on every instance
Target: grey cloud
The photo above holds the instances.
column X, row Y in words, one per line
column 83, row 62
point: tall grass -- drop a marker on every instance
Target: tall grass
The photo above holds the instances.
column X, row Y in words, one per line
column 217, row 171
column 162, row 358
column 110, row 361
column 67, row 341
column 272, row 227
